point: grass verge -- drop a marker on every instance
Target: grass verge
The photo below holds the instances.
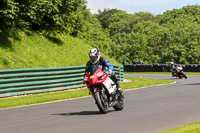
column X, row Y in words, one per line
column 42, row 98
column 137, row 83
column 166, row 73
column 62, row 95
column 189, row 128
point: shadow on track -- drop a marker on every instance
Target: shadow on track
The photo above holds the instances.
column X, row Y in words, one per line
column 193, row 84
column 79, row 113
column 82, row 113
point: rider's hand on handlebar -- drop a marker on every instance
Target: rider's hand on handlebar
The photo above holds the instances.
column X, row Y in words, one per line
column 109, row 72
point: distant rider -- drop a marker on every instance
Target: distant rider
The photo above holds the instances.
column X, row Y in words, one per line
column 95, row 58
column 172, row 68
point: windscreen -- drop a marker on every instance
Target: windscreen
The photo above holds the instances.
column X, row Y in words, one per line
column 92, row 69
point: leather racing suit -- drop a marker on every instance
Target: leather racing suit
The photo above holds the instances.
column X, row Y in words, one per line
column 105, row 67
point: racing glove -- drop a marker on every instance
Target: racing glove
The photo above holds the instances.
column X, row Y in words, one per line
column 109, row 72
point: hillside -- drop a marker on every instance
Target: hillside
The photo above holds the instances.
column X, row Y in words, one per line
column 36, row 51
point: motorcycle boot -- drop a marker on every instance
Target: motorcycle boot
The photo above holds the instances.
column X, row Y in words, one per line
column 120, row 91
column 121, row 95
column 172, row 74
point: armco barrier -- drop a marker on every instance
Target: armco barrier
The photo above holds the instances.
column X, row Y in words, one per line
column 159, row 68
column 119, row 70
column 36, row 80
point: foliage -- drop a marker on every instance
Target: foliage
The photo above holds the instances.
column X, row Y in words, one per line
column 171, row 36
column 103, row 16
column 154, row 39
column 93, row 33
column 42, row 15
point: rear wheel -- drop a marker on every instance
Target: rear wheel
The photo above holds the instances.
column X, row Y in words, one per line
column 101, row 101
column 119, row 105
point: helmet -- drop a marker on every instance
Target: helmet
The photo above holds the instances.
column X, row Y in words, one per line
column 171, row 63
column 94, row 55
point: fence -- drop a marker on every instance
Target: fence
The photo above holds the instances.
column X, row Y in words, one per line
column 119, row 70
column 36, row 80
column 159, row 68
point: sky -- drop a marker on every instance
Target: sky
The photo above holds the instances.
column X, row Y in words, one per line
column 154, row 7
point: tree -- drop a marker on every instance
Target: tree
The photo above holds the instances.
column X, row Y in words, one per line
column 46, row 15
column 104, row 15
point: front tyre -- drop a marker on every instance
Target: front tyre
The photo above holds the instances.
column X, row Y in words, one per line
column 102, row 102
column 184, row 75
column 180, row 75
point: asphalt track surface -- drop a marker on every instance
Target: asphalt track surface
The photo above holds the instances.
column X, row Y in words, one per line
column 147, row 110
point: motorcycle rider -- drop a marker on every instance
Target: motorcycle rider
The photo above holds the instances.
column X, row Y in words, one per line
column 95, row 58
column 172, row 68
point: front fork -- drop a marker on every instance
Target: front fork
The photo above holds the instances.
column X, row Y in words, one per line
column 93, row 90
column 105, row 98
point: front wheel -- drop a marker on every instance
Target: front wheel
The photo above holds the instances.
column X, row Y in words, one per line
column 180, row 75
column 184, row 75
column 101, row 101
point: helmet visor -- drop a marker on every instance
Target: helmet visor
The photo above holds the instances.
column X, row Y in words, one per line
column 93, row 59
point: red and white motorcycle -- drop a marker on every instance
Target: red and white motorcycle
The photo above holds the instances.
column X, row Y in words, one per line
column 103, row 89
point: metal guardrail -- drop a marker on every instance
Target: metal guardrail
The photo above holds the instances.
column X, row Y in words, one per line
column 119, row 70
column 36, row 80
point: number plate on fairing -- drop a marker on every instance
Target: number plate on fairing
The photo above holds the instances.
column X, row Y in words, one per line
column 110, row 85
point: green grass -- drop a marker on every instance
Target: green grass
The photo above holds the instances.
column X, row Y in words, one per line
column 189, row 128
column 54, row 96
column 137, row 83
column 37, row 51
column 167, row 73
column 42, row 98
